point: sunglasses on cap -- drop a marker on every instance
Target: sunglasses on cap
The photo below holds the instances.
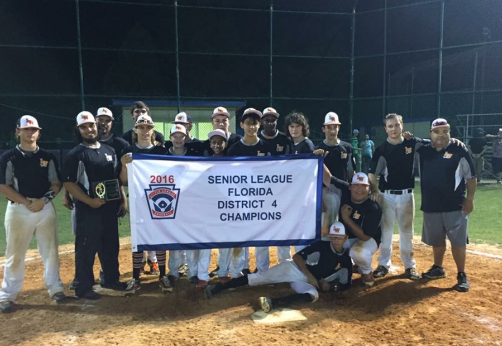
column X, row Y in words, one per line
column 439, row 122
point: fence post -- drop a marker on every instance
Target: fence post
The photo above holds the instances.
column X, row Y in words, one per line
column 80, row 64
column 440, row 69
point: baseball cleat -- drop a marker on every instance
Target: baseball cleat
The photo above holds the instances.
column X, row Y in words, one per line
column 208, row 292
column 265, row 304
column 411, row 274
column 194, row 280
column 7, row 306
column 91, row 295
column 165, row 284
column 59, row 298
column 436, row 272
column 154, row 269
column 201, row 285
column 380, row 272
column 368, row 279
column 132, row 287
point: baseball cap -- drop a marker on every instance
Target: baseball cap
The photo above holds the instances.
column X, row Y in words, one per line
column 182, row 118
column 360, row 179
column 27, row 121
column 104, row 111
column 250, row 112
column 336, row 229
column 332, row 119
column 85, row 118
column 270, row 111
column 220, row 111
column 144, row 120
column 217, row 132
column 356, row 131
column 178, row 128
column 439, row 122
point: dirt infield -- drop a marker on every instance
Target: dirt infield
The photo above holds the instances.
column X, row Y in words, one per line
column 393, row 312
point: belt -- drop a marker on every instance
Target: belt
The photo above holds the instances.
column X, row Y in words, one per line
column 399, row 192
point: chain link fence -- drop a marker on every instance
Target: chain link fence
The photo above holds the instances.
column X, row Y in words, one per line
column 361, row 59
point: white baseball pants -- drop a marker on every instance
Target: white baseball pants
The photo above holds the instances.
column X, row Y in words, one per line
column 362, row 253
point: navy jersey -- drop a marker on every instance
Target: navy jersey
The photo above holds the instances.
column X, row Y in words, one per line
column 29, row 173
column 85, row 165
column 395, row 163
column 304, row 147
column 194, row 146
column 243, row 149
column 443, row 176
column 340, row 160
column 323, row 261
column 117, row 143
column 159, row 137
column 367, row 214
column 279, row 144
column 153, row 150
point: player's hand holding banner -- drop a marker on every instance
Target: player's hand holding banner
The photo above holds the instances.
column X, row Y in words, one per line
column 205, row 203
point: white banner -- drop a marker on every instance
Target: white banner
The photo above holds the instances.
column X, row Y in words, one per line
column 206, row 203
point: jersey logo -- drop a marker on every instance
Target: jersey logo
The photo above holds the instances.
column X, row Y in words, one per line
column 43, row 163
column 343, row 155
column 162, row 200
column 109, row 157
column 447, row 155
column 356, row 215
column 407, row 150
column 280, row 147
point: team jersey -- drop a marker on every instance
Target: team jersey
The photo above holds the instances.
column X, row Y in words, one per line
column 153, row 150
column 279, row 143
column 395, row 164
column 323, row 261
column 367, row 214
column 243, row 149
column 159, row 137
column 29, row 173
column 443, row 176
column 340, row 160
column 84, row 166
column 117, row 143
column 304, row 147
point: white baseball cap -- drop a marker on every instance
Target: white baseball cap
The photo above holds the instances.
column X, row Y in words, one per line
column 439, row 122
column 332, row 119
column 182, row 118
column 250, row 111
column 270, row 111
column 104, row 111
column 217, row 132
column 27, row 121
column 220, row 111
column 336, row 229
column 144, row 120
column 85, row 118
column 360, row 179
column 178, row 128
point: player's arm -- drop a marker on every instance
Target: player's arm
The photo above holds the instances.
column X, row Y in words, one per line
column 6, row 182
column 467, row 172
column 300, row 262
column 125, row 159
column 11, row 194
column 346, row 211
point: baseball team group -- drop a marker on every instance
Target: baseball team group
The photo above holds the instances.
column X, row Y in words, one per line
column 359, row 209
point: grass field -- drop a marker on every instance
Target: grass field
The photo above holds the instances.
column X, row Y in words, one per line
column 484, row 224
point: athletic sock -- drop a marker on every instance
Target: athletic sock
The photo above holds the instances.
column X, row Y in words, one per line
column 233, row 283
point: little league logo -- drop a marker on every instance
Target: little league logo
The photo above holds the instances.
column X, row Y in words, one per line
column 162, row 200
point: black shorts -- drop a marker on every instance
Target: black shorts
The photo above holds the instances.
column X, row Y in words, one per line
column 497, row 164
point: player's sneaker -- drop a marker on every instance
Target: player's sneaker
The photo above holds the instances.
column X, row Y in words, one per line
column 132, row 287
column 6, row 306
column 154, row 269
column 436, row 272
column 380, row 272
column 246, row 271
column 411, row 274
column 165, row 284
column 463, row 284
column 208, row 291
column 172, row 279
column 265, row 303
column 91, row 295
column 183, row 269
column 368, row 279
column 224, row 279
column 214, row 272
column 201, row 285
column 73, row 284
column 194, row 280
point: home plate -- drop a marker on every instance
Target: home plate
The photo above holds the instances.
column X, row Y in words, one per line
column 278, row 316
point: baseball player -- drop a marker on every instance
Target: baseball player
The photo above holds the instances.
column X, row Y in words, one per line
column 144, row 143
column 29, row 179
column 194, row 146
column 321, row 265
column 249, row 145
column 140, row 108
column 87, row 168
column 447, row 173
column 361, row 217
column 221, row 120
column 104, row 119
column 296, row 127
